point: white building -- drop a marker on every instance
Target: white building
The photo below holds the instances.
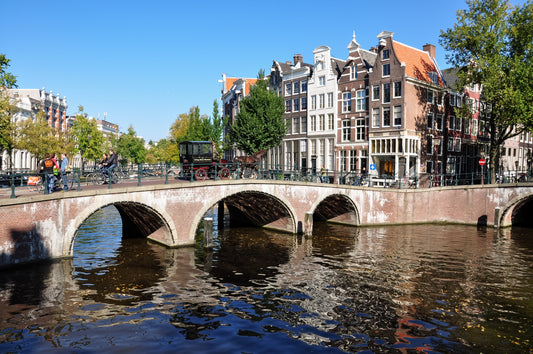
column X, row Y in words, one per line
column 322, row 107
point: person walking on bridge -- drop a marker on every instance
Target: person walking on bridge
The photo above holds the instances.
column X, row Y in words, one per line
column 47, row 167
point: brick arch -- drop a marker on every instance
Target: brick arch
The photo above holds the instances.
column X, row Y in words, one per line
column 138, row 220
column 337, row 208
column 513, row 207
column 286, row 224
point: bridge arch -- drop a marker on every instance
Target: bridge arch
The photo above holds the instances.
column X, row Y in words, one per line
column 337, row 208
column 138, row 220
column 257, row 208
column 518, row 212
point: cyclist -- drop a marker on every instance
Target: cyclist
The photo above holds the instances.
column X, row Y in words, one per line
column 110, row 165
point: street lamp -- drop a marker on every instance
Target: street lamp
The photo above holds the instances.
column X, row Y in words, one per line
column 436, row 143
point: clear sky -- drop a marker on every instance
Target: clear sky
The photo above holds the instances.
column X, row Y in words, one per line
column 145, row 62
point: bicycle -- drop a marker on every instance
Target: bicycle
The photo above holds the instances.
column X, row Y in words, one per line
column 99, row 177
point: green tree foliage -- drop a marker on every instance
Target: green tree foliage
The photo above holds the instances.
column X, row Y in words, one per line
column 131, row 147
column 7, row 107
column 89, row 140
column 493, row 42
column 259, row 125
column 38, row 137
column 165, row 150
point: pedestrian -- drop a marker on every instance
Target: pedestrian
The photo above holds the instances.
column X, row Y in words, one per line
column 324, row 173
column 47, row 168
column 110, row 165
column 57, row 170
column 64, row 164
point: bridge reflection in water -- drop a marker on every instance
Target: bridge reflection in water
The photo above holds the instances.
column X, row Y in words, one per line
column 383, row 289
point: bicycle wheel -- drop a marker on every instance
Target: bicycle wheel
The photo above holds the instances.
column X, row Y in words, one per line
column 70, row 181
column 224, row 173
column 116, row 177
column 97, row 178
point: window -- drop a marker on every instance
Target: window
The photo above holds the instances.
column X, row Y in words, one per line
column 304, row 103
column 375, row 92
column 360, row 100
column 458, row 124
column 313, row 102
column 467, row 126
column 304, row 124
column 330, row 121
column 313, row 123
column 451, row 123
column 386, row 69
column 353, row 160
column 296, row 104
column 453, row 100
column 385, row 54
column 386, row 116
column 346, row 128
column 386, row 93
column 321, row 100
column 353, row 72
column 439, row 121
column 474, row 127
column 457, row 145
column 322, row 122
column 434, row 77
column 296, row 125
column 450, row 144
column 343, row 160
column 430, row 121
column 287, row 105
column 430, row 97
column 330, row 99
column 288, row 88
column 397, row 115
column 398, row 89
column 322, row 81
column 347, row 102
column 360, row 129
column 304, row 86
column 296, row 87
column 429, row 146
column 289, row 125
column 375, row 118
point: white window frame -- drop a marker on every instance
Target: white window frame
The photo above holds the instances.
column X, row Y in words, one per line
column 360, row 100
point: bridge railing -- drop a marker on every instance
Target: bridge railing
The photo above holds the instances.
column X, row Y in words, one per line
column 16, row 183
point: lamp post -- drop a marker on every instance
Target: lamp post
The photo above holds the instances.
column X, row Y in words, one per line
column 436, row 144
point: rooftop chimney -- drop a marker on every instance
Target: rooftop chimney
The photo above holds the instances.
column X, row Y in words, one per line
column 298, row 58
column 430, row 48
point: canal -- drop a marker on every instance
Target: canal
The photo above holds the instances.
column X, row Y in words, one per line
column 396, row 289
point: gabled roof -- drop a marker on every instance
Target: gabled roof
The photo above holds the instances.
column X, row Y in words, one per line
column 337, row 66
column 418, row 63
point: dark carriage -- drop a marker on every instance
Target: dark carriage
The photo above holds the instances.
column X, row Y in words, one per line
column 198, row 159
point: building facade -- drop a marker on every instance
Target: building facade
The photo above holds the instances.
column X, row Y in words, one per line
column 29, row 102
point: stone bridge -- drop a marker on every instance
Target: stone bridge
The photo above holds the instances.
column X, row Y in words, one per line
column 44, row 227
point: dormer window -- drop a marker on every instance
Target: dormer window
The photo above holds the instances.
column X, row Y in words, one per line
column 385, row 54
column 434, row 77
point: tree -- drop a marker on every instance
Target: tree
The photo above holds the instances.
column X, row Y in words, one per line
column 493, row 42
column 215, row 128
column 7, row 108
column 38, row 137
column 165, row 150
column 89, row 140
column 131, row 147
column 259, row 125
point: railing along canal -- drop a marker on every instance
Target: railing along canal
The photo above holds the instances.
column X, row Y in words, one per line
column 19, row 182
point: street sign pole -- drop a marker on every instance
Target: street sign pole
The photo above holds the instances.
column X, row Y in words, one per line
column 482, row 163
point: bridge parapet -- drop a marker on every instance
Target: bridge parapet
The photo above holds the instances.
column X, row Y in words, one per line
column 44, row 226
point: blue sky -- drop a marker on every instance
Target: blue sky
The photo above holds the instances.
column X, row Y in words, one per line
column 145, row 62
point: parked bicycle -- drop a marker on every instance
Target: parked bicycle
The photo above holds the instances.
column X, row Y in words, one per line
column 36, row 183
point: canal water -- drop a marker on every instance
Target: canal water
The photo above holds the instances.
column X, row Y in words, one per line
column 397, row 289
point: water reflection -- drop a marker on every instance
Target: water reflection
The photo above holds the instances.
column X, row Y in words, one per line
column 388, row 289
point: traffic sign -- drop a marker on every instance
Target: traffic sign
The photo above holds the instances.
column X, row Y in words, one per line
column 372, row 167
column 482, row 162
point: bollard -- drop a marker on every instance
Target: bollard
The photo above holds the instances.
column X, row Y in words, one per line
column 208, row 232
